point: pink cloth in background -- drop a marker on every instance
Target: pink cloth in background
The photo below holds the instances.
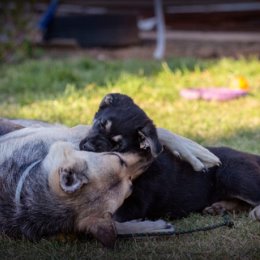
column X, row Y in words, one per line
column 219, row 94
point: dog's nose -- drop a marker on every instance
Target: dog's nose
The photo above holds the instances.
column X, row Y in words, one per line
column 86, row 146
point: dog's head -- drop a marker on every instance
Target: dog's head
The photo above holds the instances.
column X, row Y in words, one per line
column 120, row 125
column 93, row 184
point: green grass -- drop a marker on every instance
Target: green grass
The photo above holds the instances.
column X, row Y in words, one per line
column 69, row 91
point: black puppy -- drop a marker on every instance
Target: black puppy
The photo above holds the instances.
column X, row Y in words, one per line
column 170, row 187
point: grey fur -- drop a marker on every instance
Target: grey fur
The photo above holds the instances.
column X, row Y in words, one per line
column 38, row 202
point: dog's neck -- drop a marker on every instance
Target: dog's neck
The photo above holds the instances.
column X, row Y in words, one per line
column 22, row 180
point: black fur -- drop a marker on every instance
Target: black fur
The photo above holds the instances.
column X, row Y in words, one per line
column 127, row 119
column 170, row 187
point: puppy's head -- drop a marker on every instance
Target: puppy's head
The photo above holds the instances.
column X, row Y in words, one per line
column 120, row 125
column 94, row 185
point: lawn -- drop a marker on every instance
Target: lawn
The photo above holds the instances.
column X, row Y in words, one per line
column 68, row 91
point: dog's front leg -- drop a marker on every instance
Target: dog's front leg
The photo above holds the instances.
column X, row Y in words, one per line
column 198, row 156
column 7, row 126
column 143, row 227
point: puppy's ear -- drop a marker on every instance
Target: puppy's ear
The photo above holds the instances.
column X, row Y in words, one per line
column 148, row 139
column 115, row 100
column 71, row 181
column 107, row 101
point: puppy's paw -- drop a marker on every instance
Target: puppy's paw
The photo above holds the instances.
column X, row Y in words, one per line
column 255, row 213
column 146, row 226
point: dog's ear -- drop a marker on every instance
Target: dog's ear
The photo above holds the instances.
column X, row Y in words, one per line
column 148, row 138
column 71, row 181
column 7, row 126
column 107, row 101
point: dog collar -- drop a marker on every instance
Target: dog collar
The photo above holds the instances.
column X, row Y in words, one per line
column 21, row 182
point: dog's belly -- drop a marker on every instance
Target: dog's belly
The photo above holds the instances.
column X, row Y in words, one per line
column 170, row 187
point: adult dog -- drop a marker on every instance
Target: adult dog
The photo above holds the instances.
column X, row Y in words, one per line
column 171, row 187
column 48, row 186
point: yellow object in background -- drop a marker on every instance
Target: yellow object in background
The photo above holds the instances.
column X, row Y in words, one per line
column 240, row 82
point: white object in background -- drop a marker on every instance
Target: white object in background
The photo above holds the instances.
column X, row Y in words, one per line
column 160, row 32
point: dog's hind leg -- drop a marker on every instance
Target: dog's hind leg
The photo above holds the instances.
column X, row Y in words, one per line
column 218, row 208
column 239, row 178
column 198, row 156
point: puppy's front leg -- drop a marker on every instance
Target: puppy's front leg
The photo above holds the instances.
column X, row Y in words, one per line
column 198, row 156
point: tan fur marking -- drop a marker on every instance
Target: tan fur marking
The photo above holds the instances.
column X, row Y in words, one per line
column 108, row 125
column 220, row 207
column 117, row 138
column 54, row 183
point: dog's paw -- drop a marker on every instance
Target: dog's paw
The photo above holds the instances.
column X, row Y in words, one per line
column 215, row 209
column 157, row 226
column 201, row 159
column 255, row 213
column 177, row 154
column 146, row 226
column 209, row 162
column 205, row 170
column 196, row 155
